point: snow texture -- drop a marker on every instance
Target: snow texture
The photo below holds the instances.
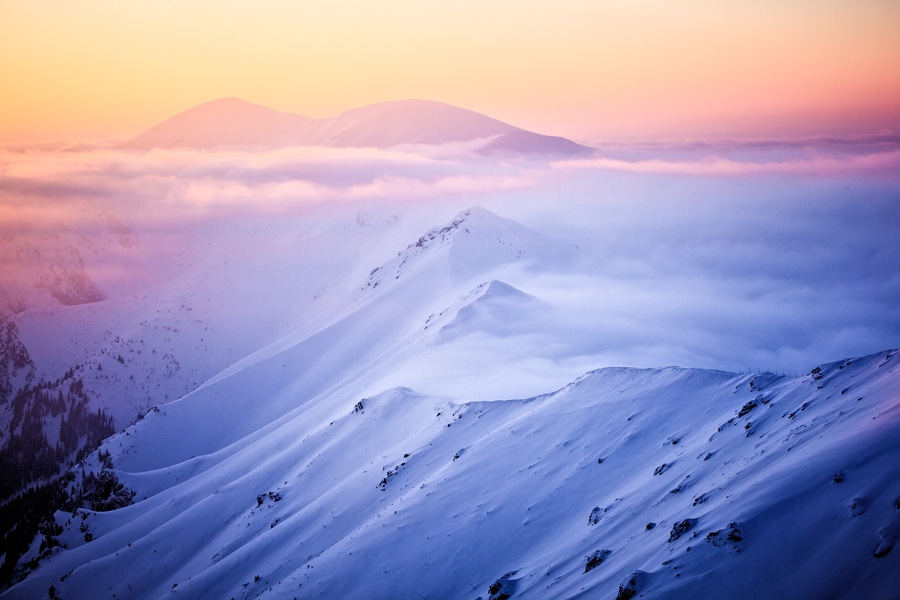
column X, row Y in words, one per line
column 300, row 471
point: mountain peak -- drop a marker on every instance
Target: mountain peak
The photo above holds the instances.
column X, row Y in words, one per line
column 226, row 122
column 412, row 122
column 473, row 243
column 494, row 307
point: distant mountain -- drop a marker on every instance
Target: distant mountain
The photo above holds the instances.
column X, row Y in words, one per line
column 234, row 123
column 519, row 141
column 46, row 270
column 225, row 122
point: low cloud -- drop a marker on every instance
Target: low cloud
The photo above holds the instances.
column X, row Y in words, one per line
column 882, row 164
column 168, row 185
column 691, row 256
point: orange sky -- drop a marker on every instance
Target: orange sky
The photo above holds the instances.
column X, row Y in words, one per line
column 588, row 69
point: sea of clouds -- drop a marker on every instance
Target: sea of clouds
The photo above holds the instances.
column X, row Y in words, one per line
column 736, row 256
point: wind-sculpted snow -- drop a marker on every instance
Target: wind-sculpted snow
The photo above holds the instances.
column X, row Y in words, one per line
column 399, row 494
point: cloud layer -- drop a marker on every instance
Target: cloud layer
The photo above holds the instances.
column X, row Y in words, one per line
column 719, row 260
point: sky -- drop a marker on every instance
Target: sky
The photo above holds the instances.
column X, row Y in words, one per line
column 585, row 69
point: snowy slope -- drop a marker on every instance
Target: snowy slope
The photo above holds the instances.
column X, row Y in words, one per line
column 230, row 297
column 382, row 327
column 352, row 434
column 406, row 495
column 476, row 242
column 241, row 299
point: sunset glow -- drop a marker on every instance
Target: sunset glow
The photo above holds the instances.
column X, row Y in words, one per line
column 586, row 70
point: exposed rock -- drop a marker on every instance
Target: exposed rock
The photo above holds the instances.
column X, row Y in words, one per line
column 680, row 528
column 595, row 559
column 629, row 588
column 503, row 588
column 746, row 408
column 721, row 537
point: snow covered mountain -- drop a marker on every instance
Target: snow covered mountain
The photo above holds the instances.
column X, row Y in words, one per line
column 234, row 123
column 667, row 482
column 344, row 423
column 40, row 269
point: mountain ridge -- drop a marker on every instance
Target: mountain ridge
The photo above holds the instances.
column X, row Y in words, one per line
column 233, row 123
column 399, row 442
column 673, row 482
